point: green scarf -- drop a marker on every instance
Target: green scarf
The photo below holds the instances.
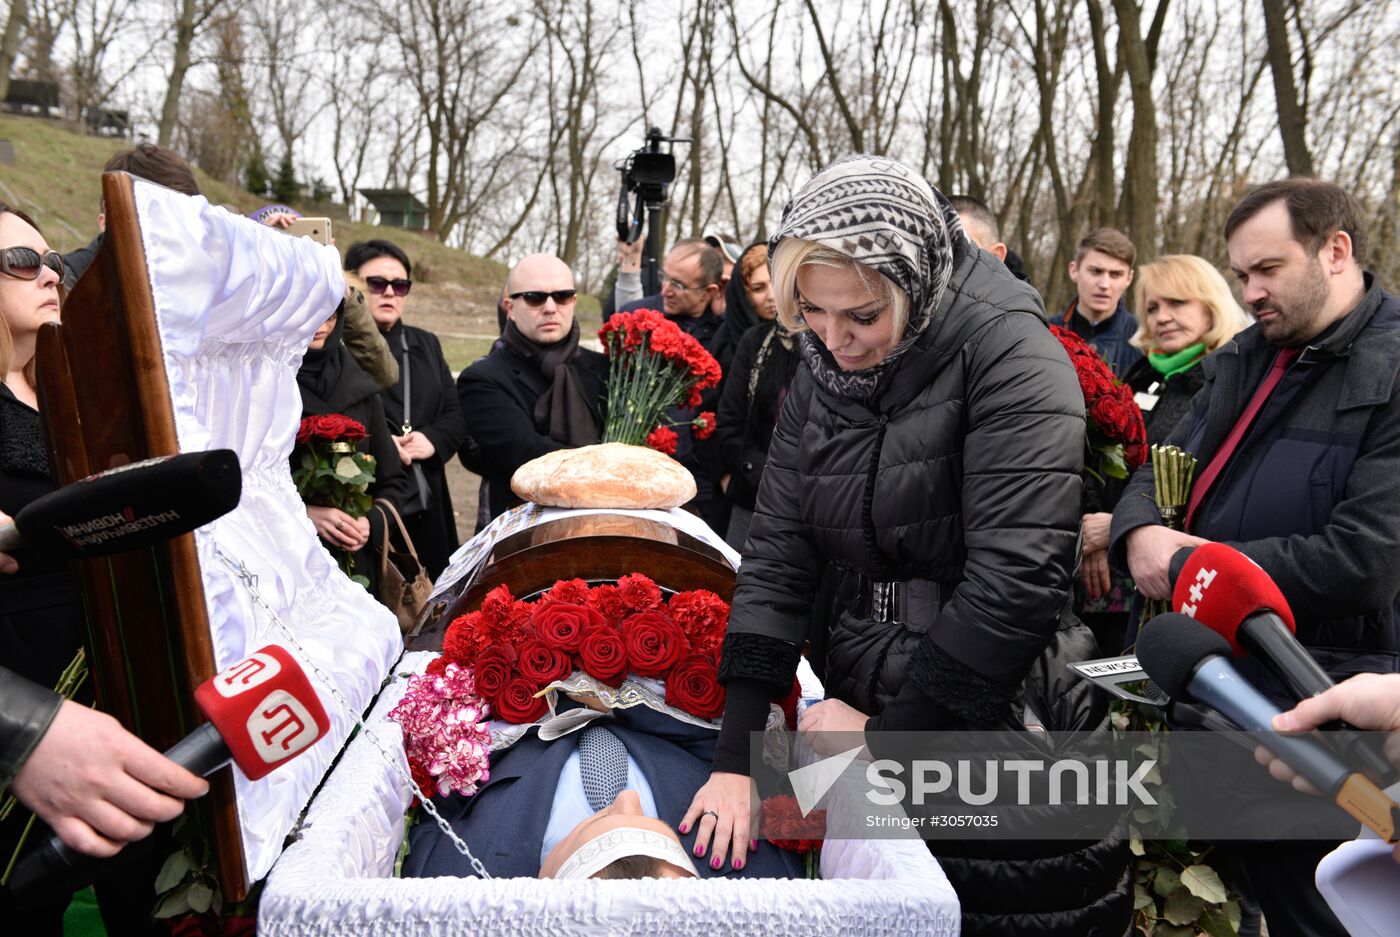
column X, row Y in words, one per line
column 1184, row 360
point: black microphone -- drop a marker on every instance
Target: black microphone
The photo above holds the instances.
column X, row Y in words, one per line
column 262, row 712
column 129, row 506
column 1191, row 662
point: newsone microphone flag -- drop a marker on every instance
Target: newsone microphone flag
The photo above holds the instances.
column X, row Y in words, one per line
column 1191, row 662
column 129, row 506
column 1229, row 593
column 262, row 713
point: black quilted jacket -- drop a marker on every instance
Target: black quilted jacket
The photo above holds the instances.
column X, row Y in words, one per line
column 961, row 483
column 964, row 471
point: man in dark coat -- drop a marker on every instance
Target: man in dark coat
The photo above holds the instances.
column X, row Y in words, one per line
column 526, row 815
column 1102, row 270
column 692, row 276
column 1297, row 433
column 538, row 390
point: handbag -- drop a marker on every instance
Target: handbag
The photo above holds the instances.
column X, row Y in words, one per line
column 404, row 585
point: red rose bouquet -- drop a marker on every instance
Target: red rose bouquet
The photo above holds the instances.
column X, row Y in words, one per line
column 653, row 367
column 1117, row 437
column 332, row 472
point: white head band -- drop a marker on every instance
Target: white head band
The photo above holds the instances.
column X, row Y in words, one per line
column 603, row 850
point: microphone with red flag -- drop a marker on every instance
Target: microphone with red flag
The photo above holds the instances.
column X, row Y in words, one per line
column 1229, row 593
column 262, row 713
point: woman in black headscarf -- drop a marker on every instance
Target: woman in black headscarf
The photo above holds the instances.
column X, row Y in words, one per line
column 930, row 444
column 331, row 382
column 755, row 385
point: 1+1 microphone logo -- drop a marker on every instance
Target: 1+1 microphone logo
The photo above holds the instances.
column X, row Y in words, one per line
column 1197, row 592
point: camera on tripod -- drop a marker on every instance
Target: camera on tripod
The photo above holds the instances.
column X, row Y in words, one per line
column 647, row 174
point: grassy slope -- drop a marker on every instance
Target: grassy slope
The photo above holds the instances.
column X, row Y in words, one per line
column 56, row 179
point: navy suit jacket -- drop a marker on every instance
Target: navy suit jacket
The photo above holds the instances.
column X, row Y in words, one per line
column 504, row 822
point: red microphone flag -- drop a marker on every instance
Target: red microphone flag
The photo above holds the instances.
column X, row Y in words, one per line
column 1220, row 587
column 265, row 709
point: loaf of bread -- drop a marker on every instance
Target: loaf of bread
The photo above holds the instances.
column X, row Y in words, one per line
column 611, row 475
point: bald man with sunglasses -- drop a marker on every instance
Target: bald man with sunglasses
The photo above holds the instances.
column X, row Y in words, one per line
column 538, row 390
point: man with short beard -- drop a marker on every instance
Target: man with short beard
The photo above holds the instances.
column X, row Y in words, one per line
column 1297, row 433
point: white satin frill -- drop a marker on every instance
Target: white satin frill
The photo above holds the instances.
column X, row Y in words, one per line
column 236, row 304
column 335, row 879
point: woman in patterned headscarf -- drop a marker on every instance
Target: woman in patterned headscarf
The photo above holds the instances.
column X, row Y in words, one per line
column 930, row 447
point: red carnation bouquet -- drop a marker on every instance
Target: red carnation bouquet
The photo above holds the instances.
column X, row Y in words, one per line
column 654, row 366
column 782, row 824
column 332, row 472
column 1117, row 438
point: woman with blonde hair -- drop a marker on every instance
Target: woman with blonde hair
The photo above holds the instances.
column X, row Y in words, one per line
column 1185, row 311
column 929, row 448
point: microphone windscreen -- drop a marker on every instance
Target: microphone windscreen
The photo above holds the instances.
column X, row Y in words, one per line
column 265, row 709
column 1171, row 647
column 1221, row 587
column 133, row 505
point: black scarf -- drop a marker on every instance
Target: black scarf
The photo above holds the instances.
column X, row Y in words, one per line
column 563, row 410
column 739, row 314
column 330, row 378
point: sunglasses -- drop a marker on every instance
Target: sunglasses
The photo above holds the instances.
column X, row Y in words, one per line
column 537, row 297
column 379, row 285
column 24, row 263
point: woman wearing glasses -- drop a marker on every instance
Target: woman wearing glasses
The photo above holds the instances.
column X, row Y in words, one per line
column 422, row 410
column 40, row 614
column 537, row 390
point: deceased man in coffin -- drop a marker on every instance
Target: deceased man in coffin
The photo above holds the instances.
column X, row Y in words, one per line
column 602, row 800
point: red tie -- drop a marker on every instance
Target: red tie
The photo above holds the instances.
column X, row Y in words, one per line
column 1282, row 360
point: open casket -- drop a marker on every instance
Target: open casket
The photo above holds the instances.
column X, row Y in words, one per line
column 335, row 879
column 207, row 316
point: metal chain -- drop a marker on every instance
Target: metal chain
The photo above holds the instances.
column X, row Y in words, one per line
column 240, row 570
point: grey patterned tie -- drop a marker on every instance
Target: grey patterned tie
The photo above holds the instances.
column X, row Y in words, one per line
column 602, row 762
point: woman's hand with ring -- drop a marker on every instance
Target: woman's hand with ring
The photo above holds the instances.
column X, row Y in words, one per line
column 337, row 528
column 723, row 814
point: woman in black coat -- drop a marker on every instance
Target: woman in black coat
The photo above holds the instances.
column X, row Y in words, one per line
column 931, row 444
column 1185, row 312
column 756, row 380
column 432, row 430
column 331, row 382
column 41, row 612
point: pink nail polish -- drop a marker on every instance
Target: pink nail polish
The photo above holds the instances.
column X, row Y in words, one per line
column 685, row 827
column 753, row 845
column 699, row 850
column 738, row 864
column 716, row 862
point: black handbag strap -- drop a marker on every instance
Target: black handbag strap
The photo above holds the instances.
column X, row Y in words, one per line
column 420, row 478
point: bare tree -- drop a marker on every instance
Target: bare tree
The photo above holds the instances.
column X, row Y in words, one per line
column 190, row 18
column 281, row 28
column 1138, row 208
column 9, row 42
column 460, row 60
column 1292, row 119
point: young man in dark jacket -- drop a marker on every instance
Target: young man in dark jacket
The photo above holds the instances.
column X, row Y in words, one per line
column 1297, row 433
column 1102, row 271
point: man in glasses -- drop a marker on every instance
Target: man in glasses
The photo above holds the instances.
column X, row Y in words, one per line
column 537, row 390
column 692, row 276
